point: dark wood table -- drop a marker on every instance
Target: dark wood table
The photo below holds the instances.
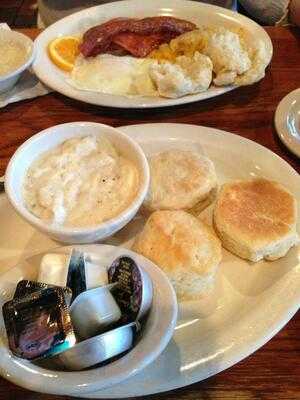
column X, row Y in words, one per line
column 273, row 372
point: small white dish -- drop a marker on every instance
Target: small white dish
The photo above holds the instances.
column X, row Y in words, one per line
column 155, row 334
column 94, row 310
column 287, row 121
column 99, row 348
column 51, row 138
column 9, row 80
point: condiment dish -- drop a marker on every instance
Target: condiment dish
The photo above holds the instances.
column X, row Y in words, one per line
column 155, row 333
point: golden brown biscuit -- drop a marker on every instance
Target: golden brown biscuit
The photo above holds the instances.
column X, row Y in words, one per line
column 180, row 180
column 185, row 248
column 256, row 219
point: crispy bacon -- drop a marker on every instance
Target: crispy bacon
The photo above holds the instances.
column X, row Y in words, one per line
column 116, row 50
column 99, row 38
column 141, row 45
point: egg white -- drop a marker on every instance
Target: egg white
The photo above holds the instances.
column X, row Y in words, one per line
column 111, row 74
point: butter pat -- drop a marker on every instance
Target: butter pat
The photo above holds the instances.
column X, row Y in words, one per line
column 54, row 269
column 95, row 275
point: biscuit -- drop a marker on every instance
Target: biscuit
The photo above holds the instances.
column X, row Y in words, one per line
column 180, row 180
column 256, row 219
column 185, row 248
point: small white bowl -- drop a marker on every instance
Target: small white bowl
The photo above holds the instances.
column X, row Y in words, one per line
column 9, row 80
column 51, row 138
column 155, row 333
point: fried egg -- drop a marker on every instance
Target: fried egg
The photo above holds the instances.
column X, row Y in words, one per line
column 111, row 74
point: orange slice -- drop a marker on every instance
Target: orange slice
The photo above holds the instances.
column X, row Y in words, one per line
column 63, row 51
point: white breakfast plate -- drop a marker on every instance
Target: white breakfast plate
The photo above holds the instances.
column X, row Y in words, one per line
column 199, row 13
column 252, row 301
column 287, row 121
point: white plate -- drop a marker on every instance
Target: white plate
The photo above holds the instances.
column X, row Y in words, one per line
column 199, row 13
column 254, row 301
column 287, row 121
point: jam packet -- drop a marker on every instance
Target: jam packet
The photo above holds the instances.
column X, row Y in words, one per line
column 39, row 324
column 26, row 287
column 134, row 291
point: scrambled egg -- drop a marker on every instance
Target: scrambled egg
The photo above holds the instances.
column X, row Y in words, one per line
column 187, row 75
column 234, row 62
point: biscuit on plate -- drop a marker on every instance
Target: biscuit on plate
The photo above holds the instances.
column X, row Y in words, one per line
column 185, row 248
column 256, row 219
column 180, row 180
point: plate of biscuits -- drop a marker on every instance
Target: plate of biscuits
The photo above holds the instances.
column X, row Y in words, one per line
column 221, row 220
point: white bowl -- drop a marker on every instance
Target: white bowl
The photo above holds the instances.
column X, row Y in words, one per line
column 155, row 334
column 52, row 137
column 9, row 80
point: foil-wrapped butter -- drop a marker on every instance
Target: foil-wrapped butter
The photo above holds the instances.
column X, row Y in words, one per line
column 39, row 324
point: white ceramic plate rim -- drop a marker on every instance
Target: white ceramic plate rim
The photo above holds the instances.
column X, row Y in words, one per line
column 281, row 123
column 43, row 65
column 36, row 378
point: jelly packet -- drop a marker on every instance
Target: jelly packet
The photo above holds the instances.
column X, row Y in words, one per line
column 39, row 324
column 26, row 287
column 134, row 291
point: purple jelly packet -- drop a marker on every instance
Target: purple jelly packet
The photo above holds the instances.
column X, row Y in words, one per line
column 39, row 324
column 134, row 291
column 26, row 287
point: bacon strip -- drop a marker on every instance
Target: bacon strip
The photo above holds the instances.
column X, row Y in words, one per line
column 99, row 38
column 141, row 45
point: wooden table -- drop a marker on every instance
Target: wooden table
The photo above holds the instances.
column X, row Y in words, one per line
column 273, row 372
